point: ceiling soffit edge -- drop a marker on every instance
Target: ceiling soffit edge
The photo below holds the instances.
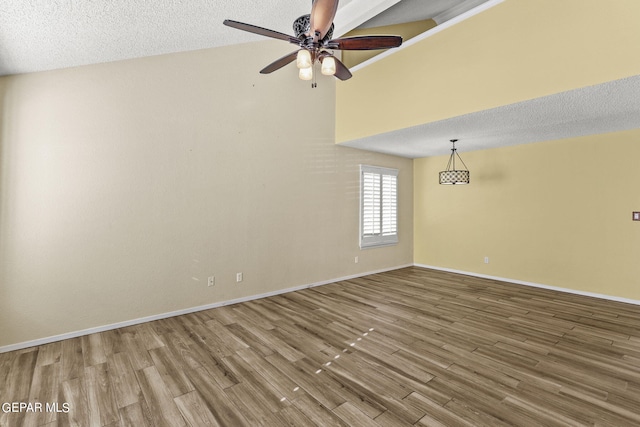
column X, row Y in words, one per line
column 441, row 27
column 593, row 110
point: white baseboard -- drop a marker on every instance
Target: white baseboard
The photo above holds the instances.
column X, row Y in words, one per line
column 75, row 334
column 535, row 285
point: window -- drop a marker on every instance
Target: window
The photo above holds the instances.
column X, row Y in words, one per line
column 378, row 206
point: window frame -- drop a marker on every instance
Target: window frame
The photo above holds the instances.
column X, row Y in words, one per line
column 379, row 239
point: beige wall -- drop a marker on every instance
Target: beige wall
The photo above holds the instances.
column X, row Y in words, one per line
column 556, row 213
column 124, row 185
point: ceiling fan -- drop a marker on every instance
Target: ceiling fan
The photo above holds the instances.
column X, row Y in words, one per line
column 313, row 34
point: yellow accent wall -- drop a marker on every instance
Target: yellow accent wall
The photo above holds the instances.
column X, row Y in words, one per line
column 517, row 50
column 557, row 213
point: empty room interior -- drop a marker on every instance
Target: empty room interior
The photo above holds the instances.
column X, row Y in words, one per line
column 186, row 241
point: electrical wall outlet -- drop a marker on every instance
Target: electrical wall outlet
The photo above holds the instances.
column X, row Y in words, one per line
column 211, row 281
column 238, row 277
column 636, row 216
column 356, row 260
column 486, row 260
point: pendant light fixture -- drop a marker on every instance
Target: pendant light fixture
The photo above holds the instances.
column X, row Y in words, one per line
column 453, row 176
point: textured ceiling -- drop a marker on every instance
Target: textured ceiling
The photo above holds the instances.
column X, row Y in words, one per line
column 608, row 107
column 38, row 35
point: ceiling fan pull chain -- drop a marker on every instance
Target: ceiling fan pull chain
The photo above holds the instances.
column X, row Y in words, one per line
column 314, row 83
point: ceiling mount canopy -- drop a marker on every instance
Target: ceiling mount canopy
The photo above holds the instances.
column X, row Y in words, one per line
column 453, row 176
column 313, row 34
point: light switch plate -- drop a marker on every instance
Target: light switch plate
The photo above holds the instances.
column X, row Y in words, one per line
column 636, row 216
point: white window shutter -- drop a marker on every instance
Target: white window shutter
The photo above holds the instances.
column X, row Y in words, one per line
column 379, row 206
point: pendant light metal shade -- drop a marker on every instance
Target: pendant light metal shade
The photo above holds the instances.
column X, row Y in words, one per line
column 453, row 176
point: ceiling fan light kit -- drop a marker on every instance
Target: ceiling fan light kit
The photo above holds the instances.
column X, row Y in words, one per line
column 328, row 66
column 305, row 73
column 303, row 59
column 313, row 34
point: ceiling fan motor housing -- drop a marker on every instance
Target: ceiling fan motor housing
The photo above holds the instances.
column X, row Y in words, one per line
column 302, row 26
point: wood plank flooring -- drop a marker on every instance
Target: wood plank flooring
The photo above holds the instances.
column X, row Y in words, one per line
column 407, row 347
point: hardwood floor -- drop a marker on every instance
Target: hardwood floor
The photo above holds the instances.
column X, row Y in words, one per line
column 407, row 347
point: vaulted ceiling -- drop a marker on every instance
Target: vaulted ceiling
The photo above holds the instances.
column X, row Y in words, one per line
column 39, row 35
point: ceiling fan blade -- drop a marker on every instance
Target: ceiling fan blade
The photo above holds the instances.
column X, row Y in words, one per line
column 322, row 14
column 365, row 43
column 260, row 31
column 342, row 72
column 279, row 63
